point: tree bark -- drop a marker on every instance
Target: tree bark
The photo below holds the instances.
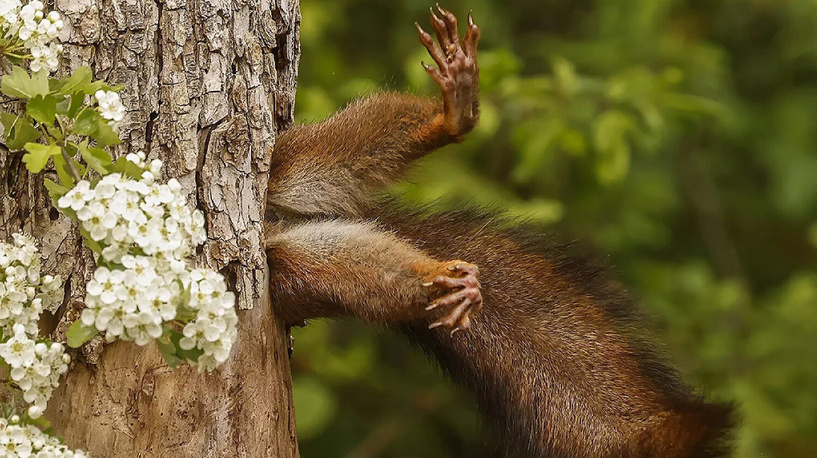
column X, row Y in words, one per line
column 207, row 84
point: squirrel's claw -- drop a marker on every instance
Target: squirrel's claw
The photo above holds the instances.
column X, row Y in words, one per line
column 463, row 295
column 441, row 31
column 433, row 48
column 456, row 72
column 471, row 39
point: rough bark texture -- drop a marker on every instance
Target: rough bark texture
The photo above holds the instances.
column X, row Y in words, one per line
column 207, row 84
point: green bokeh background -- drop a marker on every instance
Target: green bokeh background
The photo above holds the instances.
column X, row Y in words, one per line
column 677, row 136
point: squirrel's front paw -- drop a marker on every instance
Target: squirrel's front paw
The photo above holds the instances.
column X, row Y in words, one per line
column 457, row 72
column 459, row 281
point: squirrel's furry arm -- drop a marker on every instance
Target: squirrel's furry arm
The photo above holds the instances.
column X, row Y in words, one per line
column 333, row 167
column 334, row 268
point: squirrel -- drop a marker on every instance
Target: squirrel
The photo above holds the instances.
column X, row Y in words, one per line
column 545, row 340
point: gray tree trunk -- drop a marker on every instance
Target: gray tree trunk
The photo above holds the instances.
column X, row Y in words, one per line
column 207, row 84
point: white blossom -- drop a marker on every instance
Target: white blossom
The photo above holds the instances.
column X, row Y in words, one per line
column 144, row 286
column 124, row 214
column 18, row 350
column 110, row 106
column 9, row 11
column 214, row 329
column 28, row 27
column 76, row 198
column 24, row 292
column 34, row 367
column 20, row 440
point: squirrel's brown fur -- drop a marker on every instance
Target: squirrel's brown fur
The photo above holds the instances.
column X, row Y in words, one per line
column 553, row 356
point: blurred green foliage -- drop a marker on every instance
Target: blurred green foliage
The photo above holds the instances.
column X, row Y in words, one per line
column 676, row 135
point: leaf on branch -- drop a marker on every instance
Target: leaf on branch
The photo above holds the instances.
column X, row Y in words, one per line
column 127, row 168
column 75, row 103
column 96, row 158
column 192, row 354
column 610, row 138
column 87, row 123
column 38, row 155
column 105, row 135
column 20, row 84
column 100, row 85
column 63, row 172
column 18, row 131
column 55, row 190
column 78, row 82
column 42, row 109
column 53, row 132
column 168, row 349
column 89, row 242
column 41, row 422
column 78, row 334
column 64, row 104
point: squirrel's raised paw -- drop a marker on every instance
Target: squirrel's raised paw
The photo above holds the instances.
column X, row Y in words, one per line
column 462, row 295
column 456, row 72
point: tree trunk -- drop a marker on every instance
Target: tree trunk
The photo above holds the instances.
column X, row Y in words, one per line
column 207, row 84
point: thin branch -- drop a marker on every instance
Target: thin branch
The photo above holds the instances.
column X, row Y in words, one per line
column 71, row 168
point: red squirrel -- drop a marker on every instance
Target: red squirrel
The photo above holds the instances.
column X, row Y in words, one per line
column 543, row 339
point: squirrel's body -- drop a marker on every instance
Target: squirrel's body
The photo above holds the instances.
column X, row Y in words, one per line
column 551, row 356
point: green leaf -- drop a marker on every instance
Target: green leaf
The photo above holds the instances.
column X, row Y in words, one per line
column 54, row 132
column 16, row 84
column 97, row 85
column 78, row 334
column 18, row 131
column 64, row 104
column 78, row 82
column 55, row 190
column 192, row 354
column 42, row 109
column 77, row 102
column 40, row 423
column 22, row 85
column 184, row 312
column 127, row 168
column 38, row 156
column 62, row 171
column 71, row 149
column 96, row 158
column 168, row 350
column 87, row 122
column 105, row 135
column 89, row 242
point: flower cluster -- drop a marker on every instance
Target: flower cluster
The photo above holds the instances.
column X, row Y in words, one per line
column 29, row 28
column 19, row 440
column 110, row 106
column 23, row 292
column 36, row 368
column 147, row 232
column 214, row 329
column 125, row 214
column 9, row 14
